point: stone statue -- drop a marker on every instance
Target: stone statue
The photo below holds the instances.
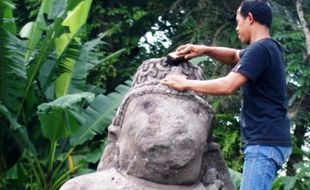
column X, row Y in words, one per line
column 160, row 138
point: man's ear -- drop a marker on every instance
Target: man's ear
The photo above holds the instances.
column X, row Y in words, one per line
column 250, row 17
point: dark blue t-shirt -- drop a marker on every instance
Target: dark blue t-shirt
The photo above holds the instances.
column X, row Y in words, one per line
column 264, row 118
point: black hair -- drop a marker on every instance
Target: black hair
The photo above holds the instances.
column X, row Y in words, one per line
column 260, row 10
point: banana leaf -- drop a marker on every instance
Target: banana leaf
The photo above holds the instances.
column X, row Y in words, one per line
column 98, row 115
column 75, row 20
column 6, row 16
column 12, row 70
column 57, row 117
column 60, row 21
column 10, row 117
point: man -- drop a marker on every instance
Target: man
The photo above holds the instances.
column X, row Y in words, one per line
column 259, row 70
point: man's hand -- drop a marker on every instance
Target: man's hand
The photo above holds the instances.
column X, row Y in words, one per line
column 190, row 50
column 175, row 81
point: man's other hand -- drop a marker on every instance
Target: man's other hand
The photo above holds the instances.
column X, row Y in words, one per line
column 175, row 81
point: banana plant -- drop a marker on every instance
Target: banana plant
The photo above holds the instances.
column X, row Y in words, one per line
column 12, row 79
column 65, row 118
column 43, row 86
column 68, row 18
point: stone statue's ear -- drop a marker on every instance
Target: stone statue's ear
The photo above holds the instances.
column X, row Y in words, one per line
column 215, row 173
column 109, row 159
column 113, row 133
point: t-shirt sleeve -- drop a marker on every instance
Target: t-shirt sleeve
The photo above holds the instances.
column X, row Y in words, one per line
column 253, row 62
column 241, row 53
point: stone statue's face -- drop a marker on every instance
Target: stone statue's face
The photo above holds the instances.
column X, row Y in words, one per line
column 163, row 138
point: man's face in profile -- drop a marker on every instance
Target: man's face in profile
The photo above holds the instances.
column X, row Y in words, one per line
column 242, row 28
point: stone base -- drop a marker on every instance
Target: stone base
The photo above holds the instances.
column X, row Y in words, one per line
column 111, row 179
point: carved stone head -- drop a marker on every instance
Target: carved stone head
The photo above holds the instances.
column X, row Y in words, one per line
column 158, row 133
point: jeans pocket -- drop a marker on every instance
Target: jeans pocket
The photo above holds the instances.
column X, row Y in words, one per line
column 251, row 151
column 280, row 155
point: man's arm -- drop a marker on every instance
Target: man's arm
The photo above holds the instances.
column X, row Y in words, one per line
column 220, row 86
column 222, row 54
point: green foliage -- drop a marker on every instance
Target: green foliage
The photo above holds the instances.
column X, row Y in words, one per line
column 227, row 134
column 46, row 117
column 300, row 181
column 11, row 118
column 98, row 115
column 7, row 20
column 236, row 178
column 125, row 23
column 122, row 25
column 12, row 70
column 72, row 118
column 57, row 117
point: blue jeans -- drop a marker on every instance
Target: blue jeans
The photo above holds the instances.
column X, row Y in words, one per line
column 261, row 164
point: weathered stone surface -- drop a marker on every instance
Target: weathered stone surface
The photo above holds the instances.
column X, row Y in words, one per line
column 159, row 139
column 112, row 179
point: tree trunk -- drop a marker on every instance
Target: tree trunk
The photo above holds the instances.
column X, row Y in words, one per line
column 304, row 25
